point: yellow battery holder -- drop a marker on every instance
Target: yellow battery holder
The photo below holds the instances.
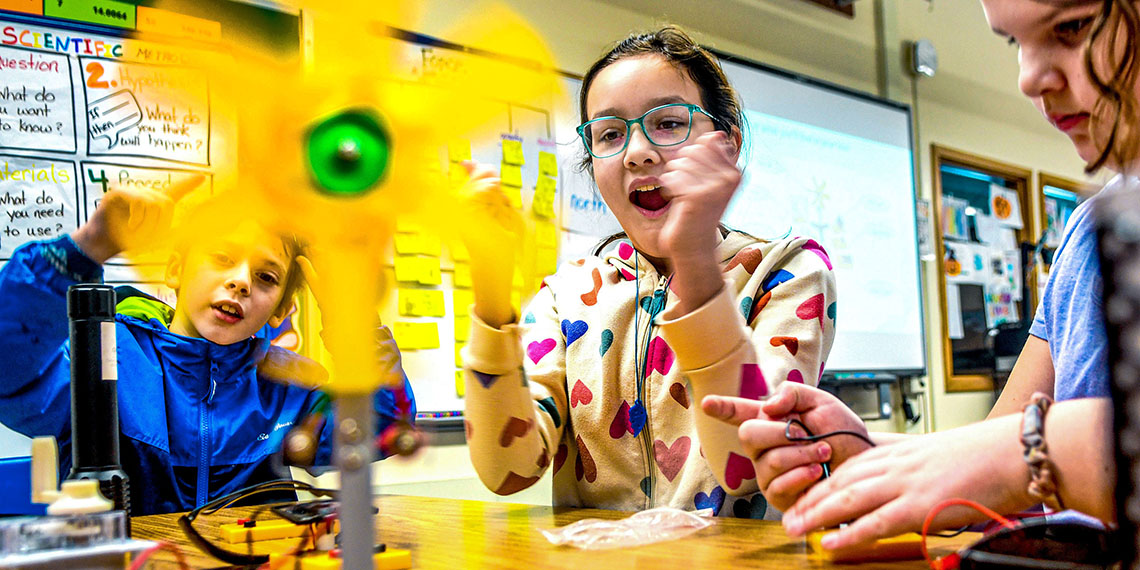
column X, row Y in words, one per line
column 272, row 529
column 390, row 559
column 902, row 547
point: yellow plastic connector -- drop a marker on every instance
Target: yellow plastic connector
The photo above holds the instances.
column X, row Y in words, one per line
column 902, row 547
column 273, row 529
column 391, row 559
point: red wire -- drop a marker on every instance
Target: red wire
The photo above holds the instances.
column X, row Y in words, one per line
column 950, row 503
column 142, row 558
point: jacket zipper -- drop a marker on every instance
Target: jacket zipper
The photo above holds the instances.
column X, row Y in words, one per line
column 203, row 487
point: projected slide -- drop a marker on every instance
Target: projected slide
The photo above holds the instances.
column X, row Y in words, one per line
column 849, row 194
column 834, row 165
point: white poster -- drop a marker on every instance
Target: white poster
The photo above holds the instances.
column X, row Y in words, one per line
column 1005, row 206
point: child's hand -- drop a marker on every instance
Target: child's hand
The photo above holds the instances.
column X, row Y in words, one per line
column 892, row 488
column 699, row 182
column 786, row 469
column 130, row 218
column 491, row 230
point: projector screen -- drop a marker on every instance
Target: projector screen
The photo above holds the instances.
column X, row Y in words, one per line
column 835, row 165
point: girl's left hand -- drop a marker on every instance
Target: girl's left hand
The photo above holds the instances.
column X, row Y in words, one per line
column 698, row 182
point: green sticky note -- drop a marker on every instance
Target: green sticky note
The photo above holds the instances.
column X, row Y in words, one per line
column 547, row 163
column 102, row 12
column 511, row 175
column 512, row 151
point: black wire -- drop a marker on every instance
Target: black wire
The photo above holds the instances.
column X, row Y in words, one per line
column 949, row 533
column 812, row 437
column 186, row 521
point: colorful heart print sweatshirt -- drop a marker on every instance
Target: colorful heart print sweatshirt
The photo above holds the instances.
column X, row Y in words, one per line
column 602, row 380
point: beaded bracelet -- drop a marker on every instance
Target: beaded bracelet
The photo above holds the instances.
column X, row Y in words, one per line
column 1042, row 479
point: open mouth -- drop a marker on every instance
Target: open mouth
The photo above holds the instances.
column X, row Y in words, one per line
column 228, row 312
column 648, row 197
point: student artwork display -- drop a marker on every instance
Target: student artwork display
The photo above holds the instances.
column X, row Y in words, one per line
column 954, row 220
column 1005, row 206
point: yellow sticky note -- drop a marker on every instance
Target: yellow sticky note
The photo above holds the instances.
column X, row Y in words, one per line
column 462, row 275
column 462, row 301
column 429, row 272
column 421, row 303
column 516, row 300
column 512, row 151
column 543, row 204
column 514, row 196
column 545, row 234
column 456, row 174
column 459, row 383
column 415, row 336
column 546, row 260
column 407, row 244
column 458, row 251
column 511, row 175
column 459, row 353
column 547, row 163
column 404, row 226
column 458, row 151
column 430, row 245
column 517, row 279
column 407, row 268
column 462, row 328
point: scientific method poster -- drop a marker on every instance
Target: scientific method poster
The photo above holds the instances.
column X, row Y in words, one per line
column 83, row 113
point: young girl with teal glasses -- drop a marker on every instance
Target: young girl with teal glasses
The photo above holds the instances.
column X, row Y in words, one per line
column 600, row 377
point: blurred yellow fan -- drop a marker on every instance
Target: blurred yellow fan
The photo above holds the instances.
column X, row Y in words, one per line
column 337, row 150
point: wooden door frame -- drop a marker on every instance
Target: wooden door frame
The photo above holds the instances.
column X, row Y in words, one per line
column 1021, row 176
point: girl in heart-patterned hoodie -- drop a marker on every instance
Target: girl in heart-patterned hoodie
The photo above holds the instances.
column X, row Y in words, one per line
column 602, row 379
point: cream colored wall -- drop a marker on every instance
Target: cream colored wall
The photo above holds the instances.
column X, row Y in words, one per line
column 972, row 104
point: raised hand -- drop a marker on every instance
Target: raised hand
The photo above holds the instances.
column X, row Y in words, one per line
column 492, row 231
column 130, row 218
column 698, row 182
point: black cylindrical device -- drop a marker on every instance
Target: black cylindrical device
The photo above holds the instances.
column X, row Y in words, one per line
column 94, row 396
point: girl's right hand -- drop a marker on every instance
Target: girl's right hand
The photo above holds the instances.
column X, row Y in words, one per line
column 130, row 218
column 492, row 231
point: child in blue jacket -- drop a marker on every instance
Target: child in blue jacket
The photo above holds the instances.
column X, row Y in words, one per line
column 197, row 420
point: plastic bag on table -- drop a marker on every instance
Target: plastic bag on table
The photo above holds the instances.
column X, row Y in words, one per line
column 646, row 527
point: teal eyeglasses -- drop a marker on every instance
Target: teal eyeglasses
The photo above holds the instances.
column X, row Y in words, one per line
column 667, row 125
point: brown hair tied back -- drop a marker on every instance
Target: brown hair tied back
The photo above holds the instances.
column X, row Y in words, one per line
column 677, row 47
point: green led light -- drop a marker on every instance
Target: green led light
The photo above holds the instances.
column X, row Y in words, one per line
column 348, row 153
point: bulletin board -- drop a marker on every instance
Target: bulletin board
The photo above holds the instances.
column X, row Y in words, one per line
column 83, row 111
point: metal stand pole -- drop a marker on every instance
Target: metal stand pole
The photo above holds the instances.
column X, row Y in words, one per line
column 354, row 452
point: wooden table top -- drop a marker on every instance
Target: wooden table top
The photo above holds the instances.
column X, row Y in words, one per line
column 455, row 534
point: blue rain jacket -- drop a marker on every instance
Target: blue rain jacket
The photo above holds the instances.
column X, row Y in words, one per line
column 196, row 421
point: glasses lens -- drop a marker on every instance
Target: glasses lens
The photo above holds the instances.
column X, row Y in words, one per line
column 606, row 137
column 668, row 125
